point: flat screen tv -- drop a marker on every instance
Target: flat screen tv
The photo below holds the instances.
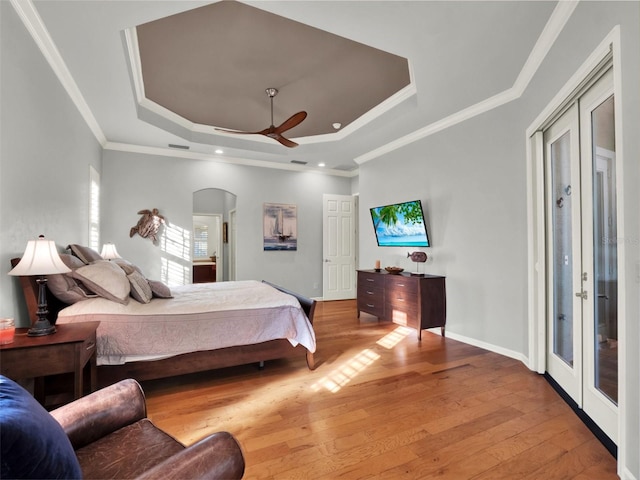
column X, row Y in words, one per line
column 400, row 225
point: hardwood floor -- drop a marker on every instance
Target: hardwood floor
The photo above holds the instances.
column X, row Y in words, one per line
column 380, row 404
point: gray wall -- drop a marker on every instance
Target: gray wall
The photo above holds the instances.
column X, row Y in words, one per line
column 45, row 152
column 473, row 197
column 131, row 182
column 472, row 181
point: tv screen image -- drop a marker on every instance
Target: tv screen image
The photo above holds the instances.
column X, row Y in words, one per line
column 400, row 225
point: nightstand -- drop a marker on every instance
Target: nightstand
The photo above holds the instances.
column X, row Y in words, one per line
column 66, row 351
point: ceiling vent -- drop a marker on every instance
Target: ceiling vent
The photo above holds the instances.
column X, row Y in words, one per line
column 298, row 162
column 181, row 147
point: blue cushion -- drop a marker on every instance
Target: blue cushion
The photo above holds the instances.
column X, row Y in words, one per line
column 32, row 442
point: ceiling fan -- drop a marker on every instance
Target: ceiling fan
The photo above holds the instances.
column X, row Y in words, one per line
column 273, row 131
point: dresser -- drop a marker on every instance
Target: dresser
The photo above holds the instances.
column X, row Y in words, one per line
column 417, row 302
column 204, row 272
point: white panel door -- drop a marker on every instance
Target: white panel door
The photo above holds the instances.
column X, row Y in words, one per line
column 339, row 241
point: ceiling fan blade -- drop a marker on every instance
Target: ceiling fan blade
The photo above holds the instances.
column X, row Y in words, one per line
column 285, row 141
column 261, row 132
column 291, row 122
column 272, row 131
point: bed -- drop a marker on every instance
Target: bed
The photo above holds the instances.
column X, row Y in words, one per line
column 200, row 327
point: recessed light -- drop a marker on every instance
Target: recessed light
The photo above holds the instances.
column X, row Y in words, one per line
column 219, row 151
column 336, row 125
column 321, row 164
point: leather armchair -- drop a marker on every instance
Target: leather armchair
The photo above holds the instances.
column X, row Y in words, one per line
column 113, row 438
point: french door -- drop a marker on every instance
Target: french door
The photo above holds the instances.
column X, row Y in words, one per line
column 581, row 251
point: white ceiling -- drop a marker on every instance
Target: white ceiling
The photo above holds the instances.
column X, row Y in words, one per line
column 464, row 57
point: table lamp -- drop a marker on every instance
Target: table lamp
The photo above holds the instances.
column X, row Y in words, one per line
column 40, row 258
column 109, row 251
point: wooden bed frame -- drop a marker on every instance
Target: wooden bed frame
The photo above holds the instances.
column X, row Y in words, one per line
column 188, row 362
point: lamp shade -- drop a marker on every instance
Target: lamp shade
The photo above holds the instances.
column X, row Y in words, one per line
column 109, row 251
column 40, row 258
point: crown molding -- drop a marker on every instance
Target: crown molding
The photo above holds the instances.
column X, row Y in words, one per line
column 36, row 28
column 558, row 19
column 186, row 154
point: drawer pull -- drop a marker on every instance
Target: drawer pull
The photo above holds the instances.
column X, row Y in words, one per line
column 90, row 346
column 400, row 284
column 369, row 292
column 370, row 306
column 370, row 280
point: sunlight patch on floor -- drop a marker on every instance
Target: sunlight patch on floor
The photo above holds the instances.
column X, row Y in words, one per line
column 392, row 339
column 343, row 375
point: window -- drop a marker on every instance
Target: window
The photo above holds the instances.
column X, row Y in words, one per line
column 94, row 209
column 200, row 241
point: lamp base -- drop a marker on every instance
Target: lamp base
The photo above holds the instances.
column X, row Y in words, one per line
column 40, row 329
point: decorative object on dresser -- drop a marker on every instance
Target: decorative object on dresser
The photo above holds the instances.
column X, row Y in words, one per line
column 40, row 258
column 394, row 270
column 411, row 301
column 418, row 257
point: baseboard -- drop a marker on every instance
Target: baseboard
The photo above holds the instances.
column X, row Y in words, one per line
column 484, row 345
column 627, row 475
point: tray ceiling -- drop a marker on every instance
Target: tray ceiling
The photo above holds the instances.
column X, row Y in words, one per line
column 341, row 61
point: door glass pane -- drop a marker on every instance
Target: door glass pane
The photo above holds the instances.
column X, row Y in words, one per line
column 562, row 249
column 605, row 250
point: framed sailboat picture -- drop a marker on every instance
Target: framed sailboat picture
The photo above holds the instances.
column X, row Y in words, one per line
column 280, row 227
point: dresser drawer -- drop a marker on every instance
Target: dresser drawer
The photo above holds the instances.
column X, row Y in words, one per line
column 401, row 285
column 371, row 280
column 371, row 300
column 402, row 316
column 402, row 308
column 87, row 348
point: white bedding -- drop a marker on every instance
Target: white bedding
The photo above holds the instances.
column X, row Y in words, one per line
column 204, row 316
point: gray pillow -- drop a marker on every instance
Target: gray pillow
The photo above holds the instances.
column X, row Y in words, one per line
column 126, row 265
column 86, row 254
column 140, row 289
column 64, row 287
column 159, row 289
column 106, row 279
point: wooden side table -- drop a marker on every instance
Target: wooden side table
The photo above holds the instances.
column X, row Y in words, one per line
column 66, row 351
